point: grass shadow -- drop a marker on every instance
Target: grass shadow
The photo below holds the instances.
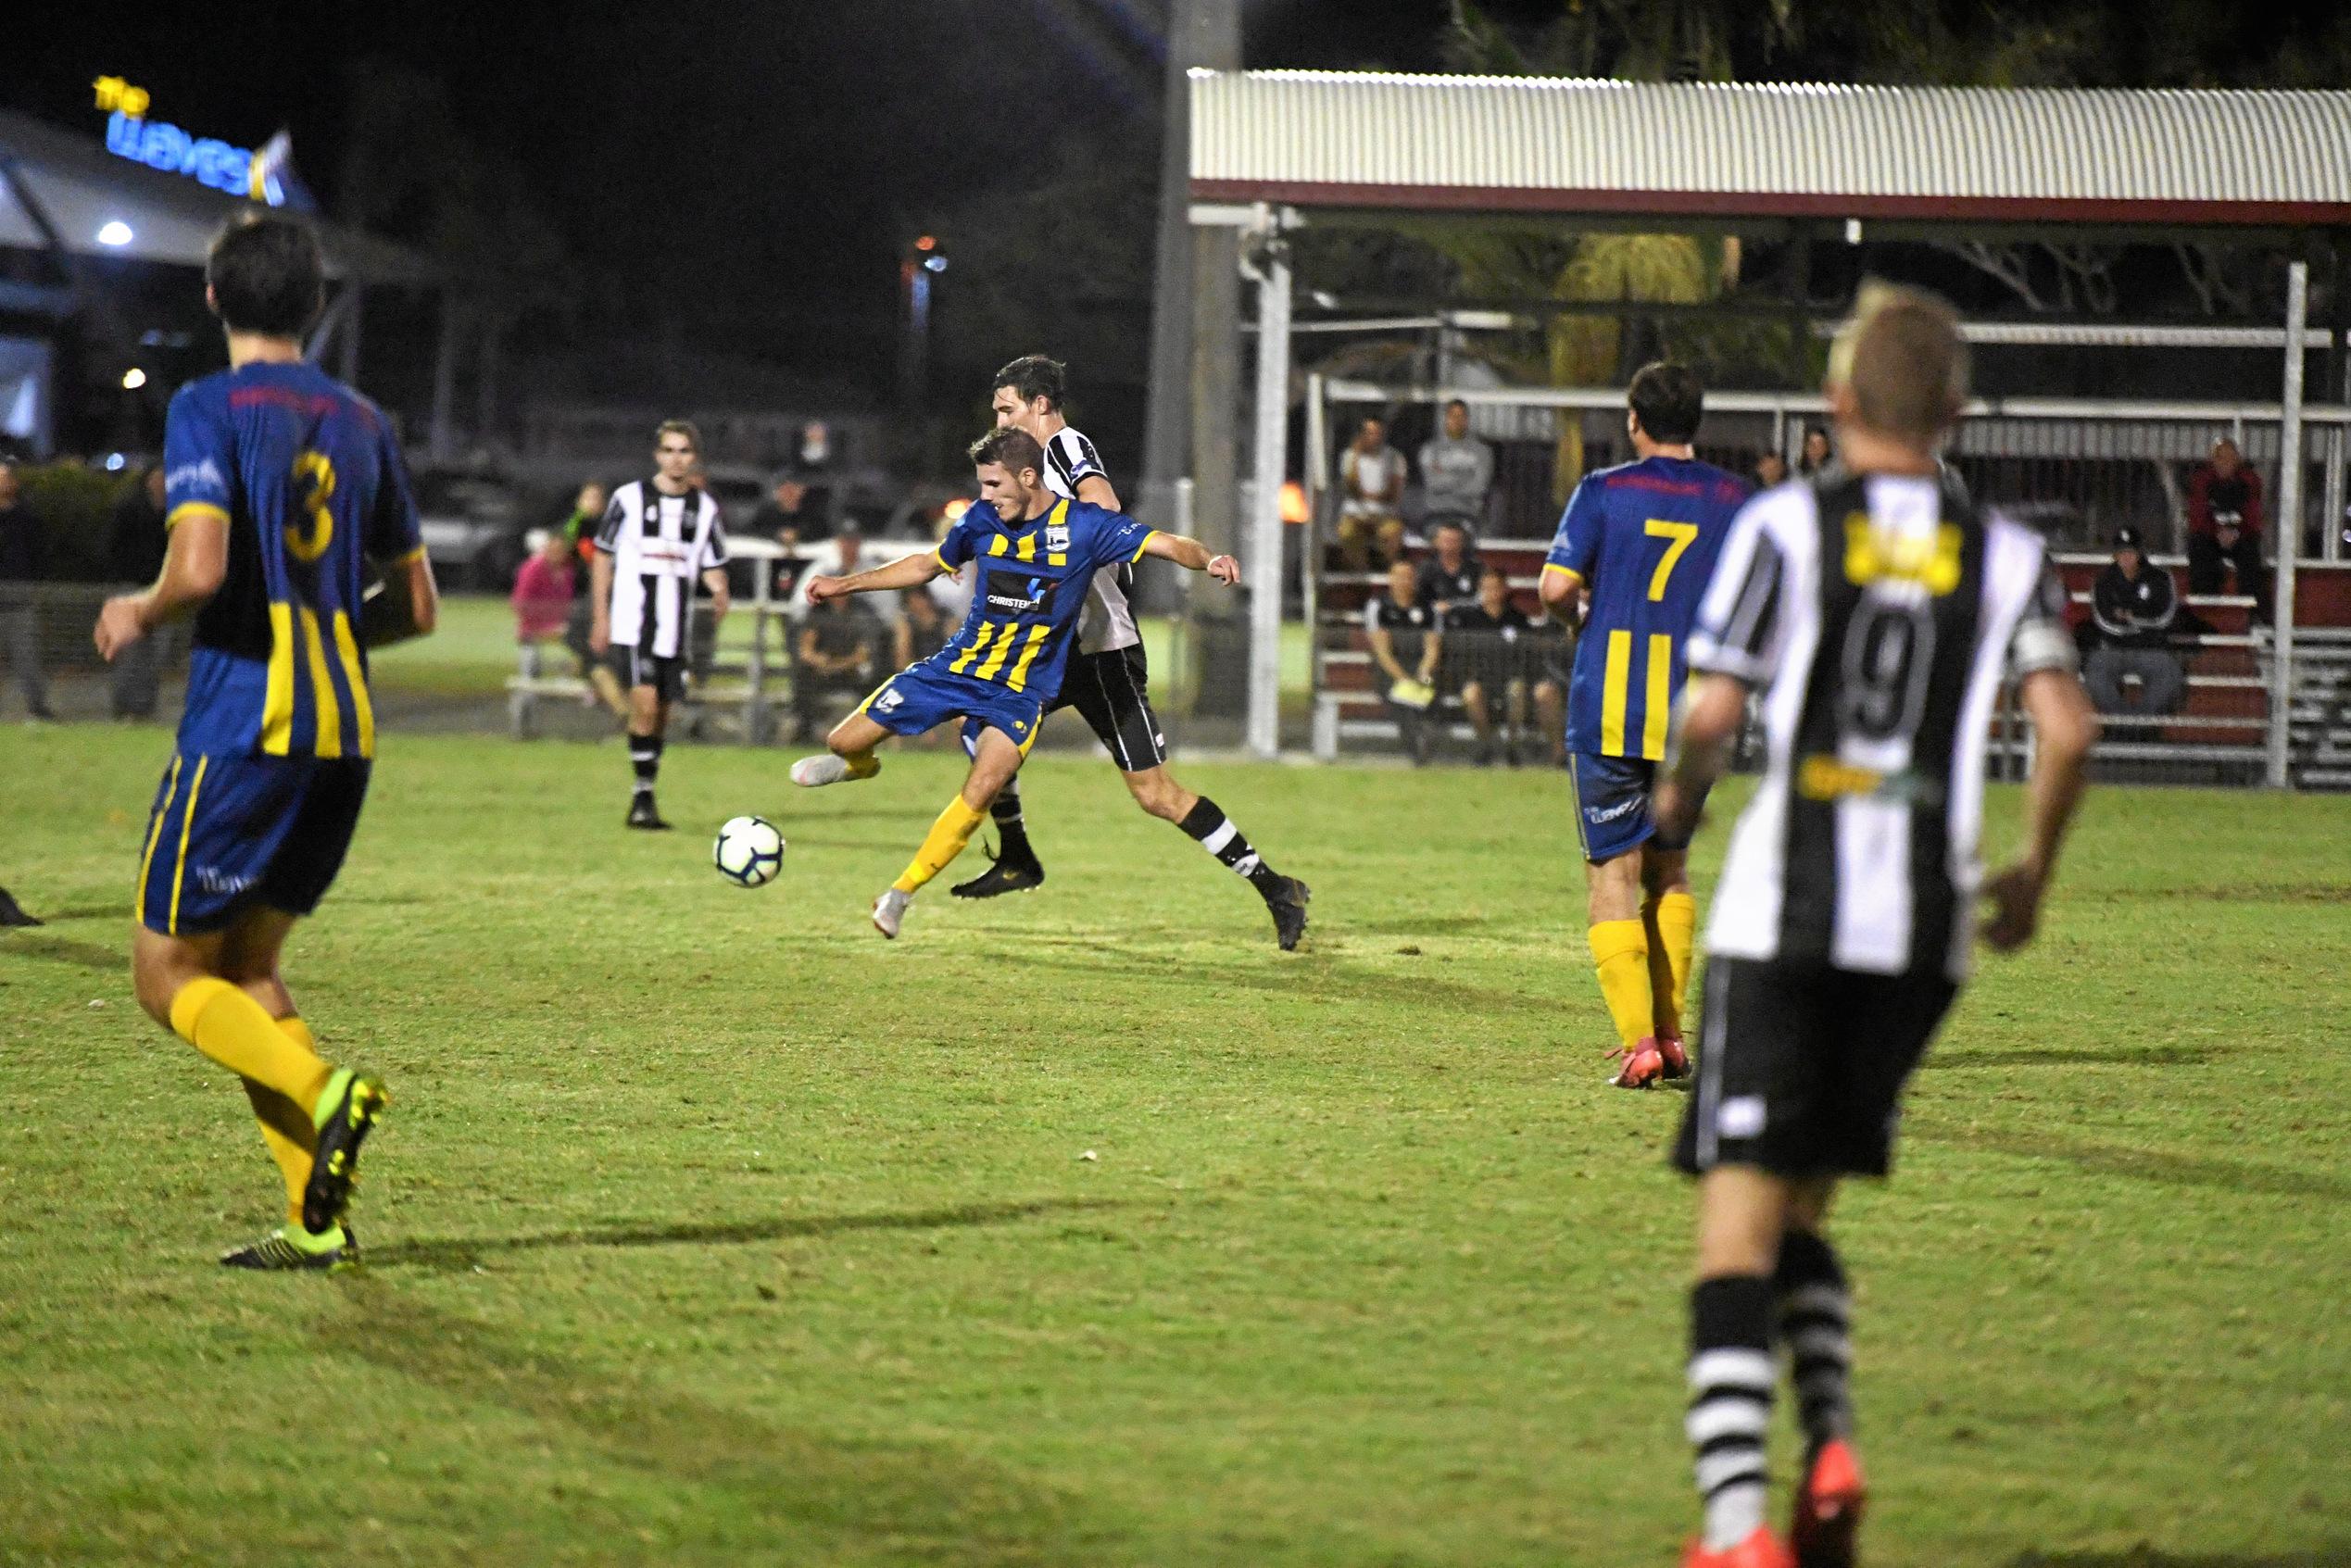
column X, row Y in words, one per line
column 2331, row 1556
column 2055, row 1056
column 459, row 1254
column 2150, row 1165
column 65, row 949
column 817, row 1498
column 1320, row 979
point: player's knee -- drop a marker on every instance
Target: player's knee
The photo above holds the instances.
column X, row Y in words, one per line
column 1160, row 794
column 154, row 980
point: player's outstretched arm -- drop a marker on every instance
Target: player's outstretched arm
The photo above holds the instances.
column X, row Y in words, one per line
column 1193, row 556
column 195, row 563
column 907, row 571
column 2064, row 728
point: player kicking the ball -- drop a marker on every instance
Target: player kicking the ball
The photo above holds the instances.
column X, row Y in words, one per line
column 1875, row 609
column 280, row 485
column 1035, row 554
column 1109, row 682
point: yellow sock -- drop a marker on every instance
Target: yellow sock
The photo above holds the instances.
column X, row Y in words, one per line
column 948, row 836
column 1620, row 950
column 1677, row 924
column 239, row 1033
column 862, row 764
column 1664, row 1002
column 289, row 1134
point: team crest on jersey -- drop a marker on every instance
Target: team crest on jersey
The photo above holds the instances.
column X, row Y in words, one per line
column 888, row 700
column 1057, row 537
column 1873, row 555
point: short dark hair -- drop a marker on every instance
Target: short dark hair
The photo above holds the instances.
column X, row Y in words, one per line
column 1454, row 402
column 1014, row 448
column 1668, row 400
column 1033, row 376
column 267, row 274
column 679, row 427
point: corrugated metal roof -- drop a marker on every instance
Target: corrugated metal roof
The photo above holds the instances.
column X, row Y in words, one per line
column 1965, row 154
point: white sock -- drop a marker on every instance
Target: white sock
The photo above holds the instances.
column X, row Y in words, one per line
column 821, row 768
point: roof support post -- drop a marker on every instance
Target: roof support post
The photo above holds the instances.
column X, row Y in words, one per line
column 1268, row 263
column 2286, row 529
column 441, row 442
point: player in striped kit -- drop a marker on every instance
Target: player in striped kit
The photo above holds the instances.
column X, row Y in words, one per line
column 1108, row 681
column 659, row 536
column 1875, row 609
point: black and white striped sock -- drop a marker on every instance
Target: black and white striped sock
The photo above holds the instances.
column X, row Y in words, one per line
column 1207, row 822
column 645, row 756
column 1731, row 1377
column 1815, row 1322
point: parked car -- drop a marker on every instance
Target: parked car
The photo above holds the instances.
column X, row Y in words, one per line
column 472, row 529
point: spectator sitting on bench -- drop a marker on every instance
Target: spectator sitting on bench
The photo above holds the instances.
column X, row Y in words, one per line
column 835, row 659
column 2132, row 605
column 1548, row 665
column 1487, row 644
column 1449, row 577
column 1371, row 482
column 2224, row 528
column 543, row 592
column 1405, row 641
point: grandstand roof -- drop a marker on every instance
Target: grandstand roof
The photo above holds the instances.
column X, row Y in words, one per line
column 1754, row 151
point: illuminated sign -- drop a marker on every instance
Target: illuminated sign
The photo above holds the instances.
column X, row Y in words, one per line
column 160, row 145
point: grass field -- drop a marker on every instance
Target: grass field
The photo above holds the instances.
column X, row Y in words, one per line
column 1087, row 1228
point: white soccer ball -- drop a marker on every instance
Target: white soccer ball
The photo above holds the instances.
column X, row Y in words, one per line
column 748, row 852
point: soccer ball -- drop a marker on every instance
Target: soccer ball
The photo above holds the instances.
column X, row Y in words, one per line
column 748, row 852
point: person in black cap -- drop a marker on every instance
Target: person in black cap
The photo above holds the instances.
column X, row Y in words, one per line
column 2133, row 605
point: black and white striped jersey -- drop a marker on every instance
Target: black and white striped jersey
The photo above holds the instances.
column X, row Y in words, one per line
column 657, row 553
column 1876, row 615
column 1109, row 622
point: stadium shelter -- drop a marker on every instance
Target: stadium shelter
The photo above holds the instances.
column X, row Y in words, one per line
column 74, row 206
column 1274, row 151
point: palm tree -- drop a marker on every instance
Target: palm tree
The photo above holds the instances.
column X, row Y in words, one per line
column 1638, row 40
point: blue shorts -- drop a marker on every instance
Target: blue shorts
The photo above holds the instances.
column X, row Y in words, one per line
column 1612, row 804
column 228, row 831
column 920, row 697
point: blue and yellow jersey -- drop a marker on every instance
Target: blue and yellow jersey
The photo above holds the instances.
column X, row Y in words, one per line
column 308, row 478
column 1642, row 537
column 1033, row 580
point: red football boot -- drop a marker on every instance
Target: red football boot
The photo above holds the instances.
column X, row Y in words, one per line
column 1828, row 1507
column 1643, row 1065
column 1677, row 1060
column 1760, row 1549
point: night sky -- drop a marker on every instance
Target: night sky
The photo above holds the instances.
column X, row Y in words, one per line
column 750, row 171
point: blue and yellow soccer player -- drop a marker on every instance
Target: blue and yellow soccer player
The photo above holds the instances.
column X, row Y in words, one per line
column 1037, row 553
column 280, row 483
column 1633, row 553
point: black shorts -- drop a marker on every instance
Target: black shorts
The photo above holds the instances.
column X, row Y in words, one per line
column 1110, row 691
column 637, row 668
column 1801, row 1067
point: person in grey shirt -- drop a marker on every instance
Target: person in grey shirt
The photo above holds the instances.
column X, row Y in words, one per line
column 1456, row 469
